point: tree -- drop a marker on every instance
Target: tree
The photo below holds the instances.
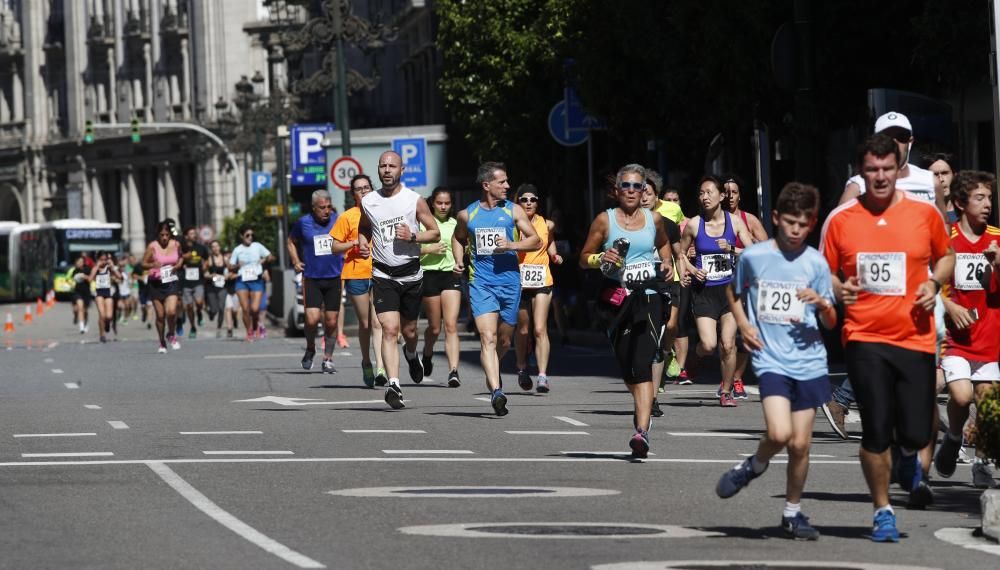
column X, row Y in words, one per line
column 265, row 228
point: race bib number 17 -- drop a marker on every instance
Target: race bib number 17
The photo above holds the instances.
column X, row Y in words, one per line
column 883, row 273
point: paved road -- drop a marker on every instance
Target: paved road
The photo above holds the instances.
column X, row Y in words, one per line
column 227, row 455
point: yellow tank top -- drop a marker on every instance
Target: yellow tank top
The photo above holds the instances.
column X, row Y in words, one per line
column 539, row 256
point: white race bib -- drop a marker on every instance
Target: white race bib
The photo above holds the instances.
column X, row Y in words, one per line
column 638, row 271
column 883, row 273
column 532, row 276
column 778, row 302
column 250, row 272
column 167, row 274
column 969, row 267
column 487, row 239
column 717, row 266
column 322, row 245
column 388, row 231
column 124, row 290
column 103, row 281
column 219, row 281
column 191, row 273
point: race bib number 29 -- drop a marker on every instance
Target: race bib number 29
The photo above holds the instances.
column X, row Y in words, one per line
column 778, row 302
column 882, row 273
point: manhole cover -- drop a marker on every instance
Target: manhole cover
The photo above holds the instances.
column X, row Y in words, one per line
column 467, row 492
column 557, row 530
column 753, row 565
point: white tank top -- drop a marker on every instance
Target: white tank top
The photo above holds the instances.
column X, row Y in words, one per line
column 920, row 183
column 384, row 213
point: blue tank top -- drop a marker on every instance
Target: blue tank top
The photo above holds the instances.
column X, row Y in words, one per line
column 710, row 257
column 640, row 263
column 485, row 225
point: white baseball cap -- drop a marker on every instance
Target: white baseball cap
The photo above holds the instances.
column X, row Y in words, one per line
column 892, row 119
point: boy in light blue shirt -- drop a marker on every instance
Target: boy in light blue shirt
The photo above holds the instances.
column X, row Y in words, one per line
column 787, row 292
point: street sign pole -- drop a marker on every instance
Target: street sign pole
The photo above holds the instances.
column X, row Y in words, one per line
column 280, row 187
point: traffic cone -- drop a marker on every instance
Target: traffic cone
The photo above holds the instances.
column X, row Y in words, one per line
column 40, row 309
column 27, row 314
column 8, row 327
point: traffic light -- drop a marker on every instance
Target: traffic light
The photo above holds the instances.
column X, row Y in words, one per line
column 135, row 131
column 88, row 132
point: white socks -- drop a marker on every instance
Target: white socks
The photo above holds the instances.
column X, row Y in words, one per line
column 791, row 509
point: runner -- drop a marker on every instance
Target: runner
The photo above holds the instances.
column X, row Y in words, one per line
column 105, row 277
column 232, row 305
column 536, row 293
column 163, row 260
column 81, row 292
column 973, row 305
column 494, row 277
column 357, row 279
column 320, row 268
column 192, row 280
column 125, row 297
column 215, row 272
column 442, row 292
column 714, row 235
column 878, row 248
column 389, row 223
column 626, row 291
column 940, row 165
column 786, row 290
column 247, row 260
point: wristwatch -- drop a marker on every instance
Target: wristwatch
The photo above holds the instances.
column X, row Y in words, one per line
column 413, row 238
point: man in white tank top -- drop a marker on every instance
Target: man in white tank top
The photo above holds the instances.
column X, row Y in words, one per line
column 389, row 232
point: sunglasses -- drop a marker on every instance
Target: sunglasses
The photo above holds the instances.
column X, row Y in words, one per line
column 248, row 234
column 362, row 188
column 636, row 186
column 527, row 200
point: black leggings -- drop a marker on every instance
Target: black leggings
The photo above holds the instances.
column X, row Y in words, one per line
column 636, row 338
column 895, row 394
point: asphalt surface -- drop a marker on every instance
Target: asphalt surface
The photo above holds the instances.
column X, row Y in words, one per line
column 226, row 454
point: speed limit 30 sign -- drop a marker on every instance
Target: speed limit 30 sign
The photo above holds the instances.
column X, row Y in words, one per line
column 343, row 169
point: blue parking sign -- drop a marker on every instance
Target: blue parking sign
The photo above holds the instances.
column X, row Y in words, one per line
column 308, row 154
column 259, row 181
column 414, row 153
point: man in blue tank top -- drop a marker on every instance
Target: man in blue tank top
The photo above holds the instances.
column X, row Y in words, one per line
column 487, row 227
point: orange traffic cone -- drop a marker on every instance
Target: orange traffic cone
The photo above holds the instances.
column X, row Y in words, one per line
column 8, row 327
column 40, row 309
column 52, row 299
column 27, row 314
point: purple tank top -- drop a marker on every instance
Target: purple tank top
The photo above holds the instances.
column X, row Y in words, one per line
column 717, row 263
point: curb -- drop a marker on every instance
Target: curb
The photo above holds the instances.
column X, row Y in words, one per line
column 989, row 502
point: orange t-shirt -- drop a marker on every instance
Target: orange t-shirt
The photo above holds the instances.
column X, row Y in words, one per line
column 539, row 256
column 889, row 253
column 345, row 229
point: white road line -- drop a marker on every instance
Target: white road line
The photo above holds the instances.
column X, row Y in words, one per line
column 250, row 452
column 852, row 462
column 601, row 453
column 205, row 505
column 92, row 406
column 708, row 434
column 383, row 431
column 243, row 356
column 57, row 371
column 571, row 421
column 811, row 455
column 246, row 432
column 117, row 424
column 483, row 399
column 540, row 432
column 430, row 451
column 69, row 434
column 72, row 385
column 48, row 361
column 77, row 454
column 965, row 538
column 52, row 344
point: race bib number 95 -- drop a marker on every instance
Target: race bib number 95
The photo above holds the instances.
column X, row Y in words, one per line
column 778, row 302
column 969, row 269
column 487, row 240
column 883, row 273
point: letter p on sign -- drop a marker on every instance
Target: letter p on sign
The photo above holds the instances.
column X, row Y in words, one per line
column 414, row 154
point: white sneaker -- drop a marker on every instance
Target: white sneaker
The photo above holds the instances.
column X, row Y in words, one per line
column 161, row 350
column 174, row 345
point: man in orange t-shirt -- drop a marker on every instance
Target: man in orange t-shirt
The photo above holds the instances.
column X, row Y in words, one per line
column 357, row 278
column 879, row 247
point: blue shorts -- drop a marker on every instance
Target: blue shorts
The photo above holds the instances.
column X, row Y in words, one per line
column 357, row 286
column 503, row 299
column 255, row 286
column 803, row 394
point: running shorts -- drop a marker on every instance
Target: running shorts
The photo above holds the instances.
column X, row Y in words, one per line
column 959, row 368
column 803, row 394
column 107, row 293
column 485, row 298
column 709, row 302
column 357, row 286
column 319, row 293
column 528, row 295
column 192, row 294
column 437, row 281
column 255, row 286
column 636, row 340
column 390, row 295
column 160, row 291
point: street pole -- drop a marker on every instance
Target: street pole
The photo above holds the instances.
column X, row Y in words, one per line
column 343, row 124
column 995, row 81
column 282, row 201
column 590, row 176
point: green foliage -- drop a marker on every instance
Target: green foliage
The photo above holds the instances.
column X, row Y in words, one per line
column 988, row 424
column 265, row 229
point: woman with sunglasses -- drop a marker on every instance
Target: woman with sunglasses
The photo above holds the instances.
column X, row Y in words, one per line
column 536, row 293
column 638, row 311
column 163, row 260
column 248, row 260
column 714, row 235
column 442, row 290
column 106, row 277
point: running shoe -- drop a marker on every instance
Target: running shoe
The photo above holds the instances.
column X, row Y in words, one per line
column 380, row 377
column 673, row 367
column 229, row 333
column 910, row 472
column 656, row 412
column 104, row 339
column 543, row 384
column 727, row 401
column 428, row 364
column 663, row 385
column 201, row 321
column 683, row 379
column 328, row 367
column 368, row 375
column 982, row 475
column 162, row 349
column 718, row 391
column 947, row 456
column 884, row 527
column 174, row 345
column 262, row 332
column 524, row 380
column 453, row 381
column 739, row 392
column 416, row 370
column 193, row 334
column 736, row 478
column 798, row 527
column 342, row 341
column 921, row 496
column 835, row 413
column 640, row 445
column 180, row 330
column 499, row 402
column 394, row 397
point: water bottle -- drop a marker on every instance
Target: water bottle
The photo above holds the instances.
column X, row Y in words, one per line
column 621, row 245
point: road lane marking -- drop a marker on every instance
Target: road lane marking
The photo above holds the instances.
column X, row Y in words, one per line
column 383, row 431
column 786, row 455
column 216, row 513
column 542, row 432
column 729, row 461
column 709, row 434
column 245, row 432
column 92, row 406
column 430, row 451
column 243, row 356
column 295, row 402
column 48, row 361
column 117, row 424
column 601, row 453
column 57, row 371
column 571, row 421
column 76, row 454
column 964, row 537
column 483, row 399
column 249, row 452
column 72, row 385
column 69, row 434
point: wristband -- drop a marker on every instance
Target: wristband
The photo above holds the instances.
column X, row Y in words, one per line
column 937, row 285
column 594, row 260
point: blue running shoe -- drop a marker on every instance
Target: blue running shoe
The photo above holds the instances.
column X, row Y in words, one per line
column 798, row 527
column 884, row 527
column 910, row 472
column 499, row 402
column 368, row 375
column 736, row 478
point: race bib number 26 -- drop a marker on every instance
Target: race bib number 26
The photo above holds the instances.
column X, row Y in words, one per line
column 969, row 268
column 883, row 273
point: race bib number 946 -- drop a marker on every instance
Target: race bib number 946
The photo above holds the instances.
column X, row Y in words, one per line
column 969, row 269
column 778, row 302
column 487, row 240
column 532, row 276
column 883, row 273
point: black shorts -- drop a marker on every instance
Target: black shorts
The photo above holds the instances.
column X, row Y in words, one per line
column 894, row 388
column 528, row 295
column 710, row 302
column 685, row 320
column 107, row 293
column 636, row 339
column 437, row 281
column 159, row 291
column 390, row 295
column 319, row 293
column 85, row 297
column 674, row 288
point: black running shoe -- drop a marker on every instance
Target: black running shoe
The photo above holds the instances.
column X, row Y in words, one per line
column 427, row 362
column 416, row 370
column 307, row 359
column 499, row 402
column 394, row 397
column 453, row 381
column 380, row 378
column 328, row 367
column 524, row 380
column 656, row 412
